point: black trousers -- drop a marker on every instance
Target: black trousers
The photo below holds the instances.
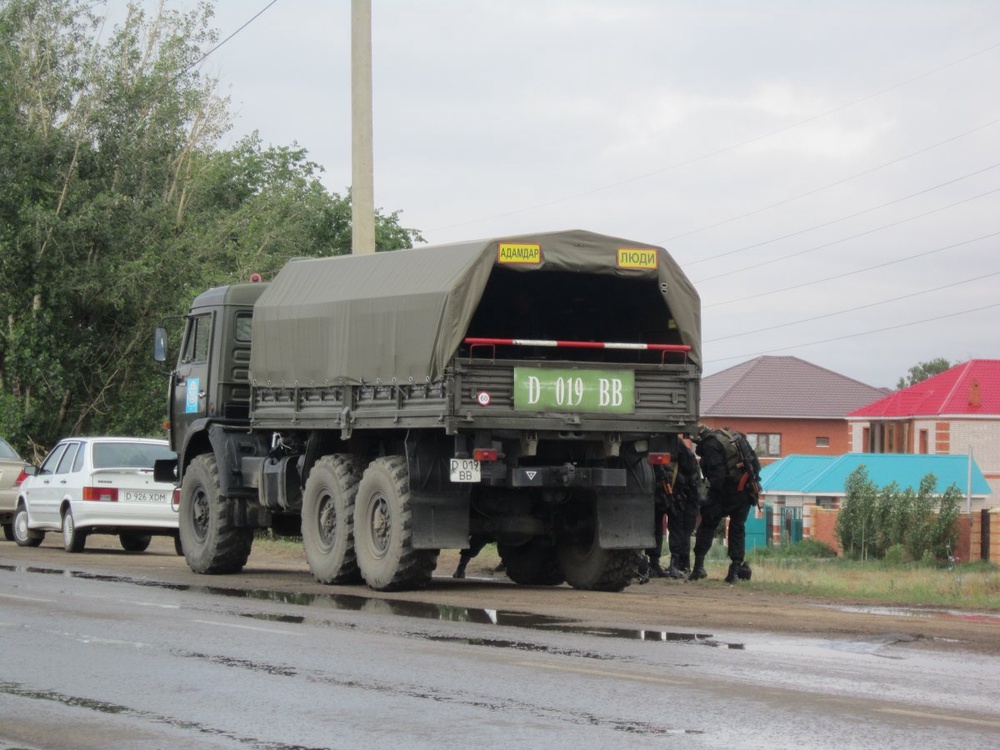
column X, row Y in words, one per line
column 682, row 517
column 735, row 505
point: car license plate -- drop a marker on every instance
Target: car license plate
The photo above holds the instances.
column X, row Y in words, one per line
column 465, row 470
column 595, row 391
column 145, row 497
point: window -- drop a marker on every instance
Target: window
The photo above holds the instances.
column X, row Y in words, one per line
column 66, row 462
column 197, row 344
column 50, row 463
column 765, row 444
column 822, row 442
column 244, row 328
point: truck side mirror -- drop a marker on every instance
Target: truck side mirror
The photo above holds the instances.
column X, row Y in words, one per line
column 160, row 345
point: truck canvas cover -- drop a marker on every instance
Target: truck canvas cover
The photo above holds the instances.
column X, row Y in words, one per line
column 399, row 317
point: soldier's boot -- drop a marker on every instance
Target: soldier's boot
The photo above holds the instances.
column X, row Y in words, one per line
column 463, row 561
column 738, row 571
column 744, row 572
column 684, row 563
column 655, row 571
column 675, row 571
column 698, row 572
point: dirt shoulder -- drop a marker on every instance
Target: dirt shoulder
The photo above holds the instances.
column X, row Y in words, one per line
column 706, row 607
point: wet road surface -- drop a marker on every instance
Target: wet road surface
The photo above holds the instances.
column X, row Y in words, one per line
column 96, row 660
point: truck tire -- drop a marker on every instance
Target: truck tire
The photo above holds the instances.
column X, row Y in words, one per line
column 587, row 565
column 74, row 539
column 328, row 520
column 534, row 563
column 23, row 536
column 383, row 534
column 212, row 543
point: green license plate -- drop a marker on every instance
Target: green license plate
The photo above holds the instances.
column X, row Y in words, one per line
column 596, row 391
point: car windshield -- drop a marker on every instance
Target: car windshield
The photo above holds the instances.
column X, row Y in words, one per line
column 6, row 451
column 129, row 455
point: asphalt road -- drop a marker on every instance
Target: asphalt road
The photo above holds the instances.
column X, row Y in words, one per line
column 93, row 658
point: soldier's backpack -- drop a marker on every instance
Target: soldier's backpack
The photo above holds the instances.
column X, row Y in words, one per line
column 742, row 465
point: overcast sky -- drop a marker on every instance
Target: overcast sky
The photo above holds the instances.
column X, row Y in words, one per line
column 827, row 173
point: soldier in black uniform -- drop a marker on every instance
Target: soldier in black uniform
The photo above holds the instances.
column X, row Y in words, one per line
column 729, row 495
column 682, row 511
column 676, row 499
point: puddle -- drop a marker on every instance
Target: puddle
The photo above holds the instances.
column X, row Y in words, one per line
column 917, row 612
column 400, row 608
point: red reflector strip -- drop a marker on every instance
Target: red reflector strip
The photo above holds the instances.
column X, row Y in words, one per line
column 101, row 494
column 658, row 459
column 577, row 344
column 484, row 454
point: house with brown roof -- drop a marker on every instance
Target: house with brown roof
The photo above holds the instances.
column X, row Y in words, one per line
column 955, row 412
column 785, row 406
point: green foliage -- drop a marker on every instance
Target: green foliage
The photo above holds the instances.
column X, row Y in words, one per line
column 117, row 207
column 897, row 525
column 919, row 373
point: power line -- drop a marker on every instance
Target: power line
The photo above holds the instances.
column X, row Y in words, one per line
column 855, row 272
column 834, row 221
column 858, row 335
column 846, row 239
column 724, row 149
column 217, row 46
column 853, row 309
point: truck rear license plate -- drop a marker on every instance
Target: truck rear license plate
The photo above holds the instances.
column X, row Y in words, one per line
column 465, row 470
column 595, row 391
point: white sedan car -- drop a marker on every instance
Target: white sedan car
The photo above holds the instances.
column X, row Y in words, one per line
column 97, row 485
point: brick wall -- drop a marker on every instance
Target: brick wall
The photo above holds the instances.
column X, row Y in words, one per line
column 798, row 436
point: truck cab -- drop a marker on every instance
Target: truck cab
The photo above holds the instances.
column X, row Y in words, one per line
column 210, row 382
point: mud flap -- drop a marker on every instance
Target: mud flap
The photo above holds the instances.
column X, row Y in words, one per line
column 441, row 521
column 625, row 521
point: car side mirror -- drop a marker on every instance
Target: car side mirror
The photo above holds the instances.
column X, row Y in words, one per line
column 160, row 344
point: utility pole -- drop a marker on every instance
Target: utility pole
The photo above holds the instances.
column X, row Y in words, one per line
column 362, row 169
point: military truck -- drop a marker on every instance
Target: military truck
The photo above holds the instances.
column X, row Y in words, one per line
column 516, row 390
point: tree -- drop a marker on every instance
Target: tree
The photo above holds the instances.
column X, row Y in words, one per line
column 117, row 207
column 920, row 525
column 919, row 373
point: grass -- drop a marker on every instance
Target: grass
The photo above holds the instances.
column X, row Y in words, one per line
column 804, row 572
column 808, row 569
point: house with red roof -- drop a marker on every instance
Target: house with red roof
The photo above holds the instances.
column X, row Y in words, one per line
column 785, row 406
column 956, row 412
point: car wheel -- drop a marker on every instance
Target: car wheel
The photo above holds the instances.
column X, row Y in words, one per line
column 135, row 542
column 24, row 536
column 178, row 547
column 73, row 538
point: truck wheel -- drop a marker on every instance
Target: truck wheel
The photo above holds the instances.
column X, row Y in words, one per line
column 534, row 563
column 383, row 534
column 590, row 567
column 212, row 543
column 328, row 520
column 24, row 536
column 73, row 538
column 134, row 542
